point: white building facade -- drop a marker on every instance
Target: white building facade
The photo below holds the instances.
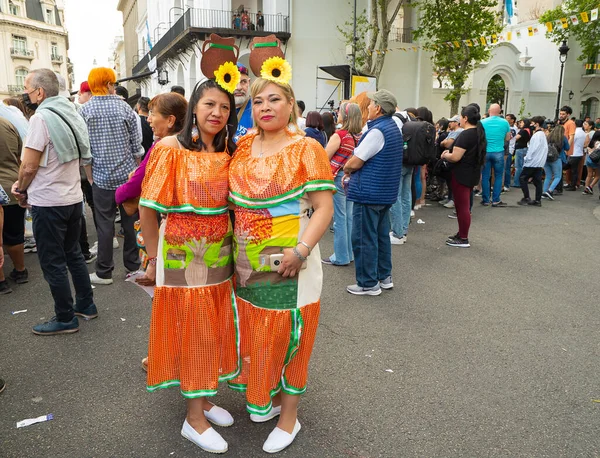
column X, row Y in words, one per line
column 32, row 35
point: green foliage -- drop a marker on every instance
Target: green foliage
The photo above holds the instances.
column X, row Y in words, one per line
column 522, row 108
column 363, row 27
column 442, row 21
column 585, row 34
column 496, row 90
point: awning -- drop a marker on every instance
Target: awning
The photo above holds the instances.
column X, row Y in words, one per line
column 342, row 72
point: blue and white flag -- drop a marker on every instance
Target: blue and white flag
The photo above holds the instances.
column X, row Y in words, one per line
column 148, row 35
column 510, row 10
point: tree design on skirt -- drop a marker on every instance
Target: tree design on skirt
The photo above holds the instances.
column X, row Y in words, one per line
column 198, row 233
column 253, row 226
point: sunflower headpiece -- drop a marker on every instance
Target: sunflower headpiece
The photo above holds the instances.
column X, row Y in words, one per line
column 219, row 58
column 228, row 76
column 268, row 61
column 276, row 69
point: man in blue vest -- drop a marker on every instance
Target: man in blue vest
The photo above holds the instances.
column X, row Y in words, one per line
column 243, row 104
column 373, row 179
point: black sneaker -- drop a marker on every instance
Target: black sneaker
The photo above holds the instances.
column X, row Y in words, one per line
column 548, row 195
column 89, row 257
column 458, row 242
column 452, row 237
column 524, row 201
column 499, row 204
column 485, row 204
column 4, row 288
column 535, row 203
column 2, row 385
column 19, row 277
column 89, row 313
column 54, row 327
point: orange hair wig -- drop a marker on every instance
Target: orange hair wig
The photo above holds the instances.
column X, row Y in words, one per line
column 99, row 78
column 363, row 103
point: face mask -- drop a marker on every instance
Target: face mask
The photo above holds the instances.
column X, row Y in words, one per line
column 598, row 125
column 28, row 103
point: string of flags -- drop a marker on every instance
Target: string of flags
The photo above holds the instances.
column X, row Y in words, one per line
column 490, row 40
column 592, row 66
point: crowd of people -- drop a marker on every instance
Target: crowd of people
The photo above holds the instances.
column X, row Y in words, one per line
column 222, row 199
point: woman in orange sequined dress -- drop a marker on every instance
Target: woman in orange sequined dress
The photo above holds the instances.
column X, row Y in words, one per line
column 275, row 177
column 194, row 338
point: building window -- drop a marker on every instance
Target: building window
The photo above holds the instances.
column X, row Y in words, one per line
column 50, row 16
column 54, row 50
column 20, row 75
column 19, row 43
column 13, row 9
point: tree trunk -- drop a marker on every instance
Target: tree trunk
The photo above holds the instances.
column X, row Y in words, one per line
column 454, row 104
column 196, row 273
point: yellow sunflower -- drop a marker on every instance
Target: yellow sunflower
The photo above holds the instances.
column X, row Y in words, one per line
column 276, row 69
column 228, row 76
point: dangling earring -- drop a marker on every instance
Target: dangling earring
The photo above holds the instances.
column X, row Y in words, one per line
column 195, row 133
column 227, row 138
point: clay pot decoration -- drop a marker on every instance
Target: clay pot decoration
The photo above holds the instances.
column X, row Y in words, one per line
column 215, row 52
column 263, row 48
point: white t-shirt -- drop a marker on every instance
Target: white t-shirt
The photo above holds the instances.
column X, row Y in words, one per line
column 301, row 123
column 578, row 142
column 513, row 139
column 55, row 184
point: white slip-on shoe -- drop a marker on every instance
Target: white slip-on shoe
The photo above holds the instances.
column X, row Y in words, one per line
column 218, row 416
column 96, row 280
column 279, row 439
column 115, row 243
column 210, row 440
column 262, row 418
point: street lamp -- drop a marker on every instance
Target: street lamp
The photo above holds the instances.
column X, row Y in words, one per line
column 563, row 51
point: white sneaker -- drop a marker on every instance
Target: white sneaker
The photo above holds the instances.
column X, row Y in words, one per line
column 210, row 440
column 397, row 241
column 94, row 249
column 279, row 439
column 115, row 243
column 417, row 206
column 262, row 418
column 449, row 204
column 96, row 280
column 218, row 416
column 412, row 213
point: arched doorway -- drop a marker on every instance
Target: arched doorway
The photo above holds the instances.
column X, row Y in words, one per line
column 496, row 92
column 180, row 76
column 590, row 108
column 193, row 66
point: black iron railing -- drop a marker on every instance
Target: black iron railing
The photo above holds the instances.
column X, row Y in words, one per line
column 15, row 89
column 401, row 35
column 56, row 58
column 21, row 52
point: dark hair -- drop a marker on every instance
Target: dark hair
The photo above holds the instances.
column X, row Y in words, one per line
column 301, row 105
column 169, row 104
column 123, row 92
column 412, row 111
column 526, row 123
column 328, row 124
column 178, row 90
column 476, row 105
column 143, row 103
column 16, row 102
column 579, row 123
column 511, row 116
column 443, row 123
column 589, row 122
column 314, row 119
column 474, row 118
column 567, row 109
column 185, row 136
column 424, row 114
column 538, row 120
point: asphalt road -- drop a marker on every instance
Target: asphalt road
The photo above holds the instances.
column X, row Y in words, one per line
column 494, row 351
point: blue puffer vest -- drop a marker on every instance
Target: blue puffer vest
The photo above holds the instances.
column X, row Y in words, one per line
column 378, row 181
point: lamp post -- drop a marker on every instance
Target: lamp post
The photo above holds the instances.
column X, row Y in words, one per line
column 563, row 51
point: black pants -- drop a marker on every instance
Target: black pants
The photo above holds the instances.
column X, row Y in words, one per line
column 56, row 231
column 86, row 187
column 574, row 163
column 105, row 211
column 536, row 174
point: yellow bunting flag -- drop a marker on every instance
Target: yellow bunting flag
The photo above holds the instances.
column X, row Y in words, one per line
column 574, row 20
column 483, row 42
column 584, row 17
column 565, row 22
column 469, row 43
column 457, row 44
column 509, row 36
column 594, row 16
column 494, row 38
column 530, row 31
column 415, row 49
column 549, row 27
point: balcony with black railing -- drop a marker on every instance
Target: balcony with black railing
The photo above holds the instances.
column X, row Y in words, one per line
column 401, row 35
column 57, row 59
column 15, row 89
column 22, row 53
column 196, row 24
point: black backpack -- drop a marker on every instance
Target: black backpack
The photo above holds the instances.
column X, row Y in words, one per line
column 553, row 152
column 419, row 141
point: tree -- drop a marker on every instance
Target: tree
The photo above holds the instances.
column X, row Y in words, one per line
column 454, row 21
column 372, row 34
column 586, row 34
column 496, row 90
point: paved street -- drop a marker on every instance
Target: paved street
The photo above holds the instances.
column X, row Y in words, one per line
column 495, row 351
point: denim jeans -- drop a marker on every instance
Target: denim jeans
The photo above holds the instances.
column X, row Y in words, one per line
column 400, row 211
column 495, row 161
column 507, row 164
column 371, row 243
column 553, row 172
column 519, row 160
column 342, row 225
column 56, row 231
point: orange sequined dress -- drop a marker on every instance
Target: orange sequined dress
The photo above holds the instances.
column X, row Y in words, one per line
column 194, row 338
column 278, row 316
